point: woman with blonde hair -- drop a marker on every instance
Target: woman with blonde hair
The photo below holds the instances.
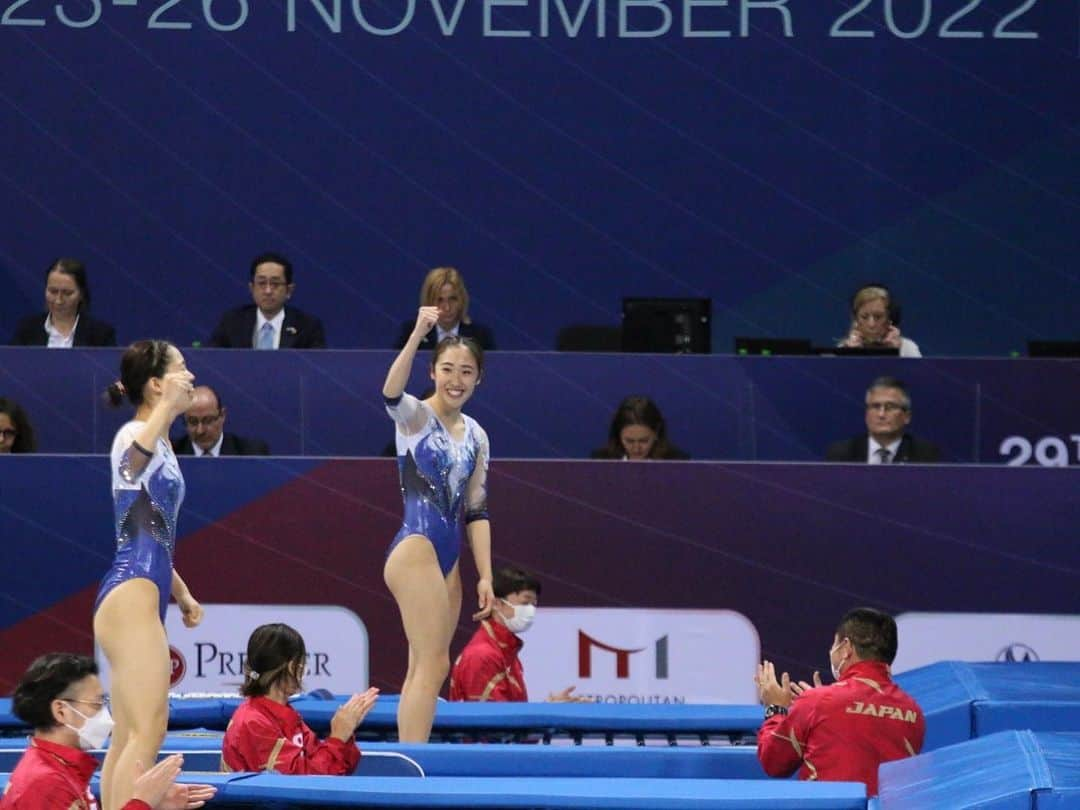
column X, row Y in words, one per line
column 875, row 322
column 444, row 289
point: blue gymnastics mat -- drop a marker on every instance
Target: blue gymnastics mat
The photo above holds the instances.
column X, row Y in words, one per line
column 1009, row 770
column 266, row 790
column 965, row 700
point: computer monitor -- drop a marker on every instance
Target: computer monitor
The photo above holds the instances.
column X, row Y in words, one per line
column 667, row 325
column 1054, row 348
column 772, row 346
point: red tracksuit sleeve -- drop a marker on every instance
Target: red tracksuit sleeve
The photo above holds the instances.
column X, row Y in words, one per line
column 782, row 738
column 257, row 744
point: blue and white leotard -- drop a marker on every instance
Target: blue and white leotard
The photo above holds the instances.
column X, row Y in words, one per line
column 146, row 507
column 443, row 481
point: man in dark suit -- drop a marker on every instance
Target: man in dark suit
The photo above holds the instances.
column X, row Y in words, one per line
column 268, row 323
column 888, row 413
column 206, row 435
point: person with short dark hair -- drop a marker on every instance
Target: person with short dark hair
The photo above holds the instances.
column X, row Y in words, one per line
column 61, row 697
column 66, row 321
column 841, row 732
column 888, row 414
column 16, row 432
column 489, row 669
column 206, row 436
column 268, row 323
column 444, row 288
column 267, row 734
column 129, row 612
column 638, row 432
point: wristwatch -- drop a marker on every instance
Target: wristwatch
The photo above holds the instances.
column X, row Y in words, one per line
column 774, row 708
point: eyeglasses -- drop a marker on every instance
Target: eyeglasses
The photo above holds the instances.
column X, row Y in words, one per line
column 269, row 283
column 103, row 703
column 8, row 433
column 206, row 421
column 888, row 407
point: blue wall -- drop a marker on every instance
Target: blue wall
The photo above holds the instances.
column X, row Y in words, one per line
column 772, row 170
column 559, row 405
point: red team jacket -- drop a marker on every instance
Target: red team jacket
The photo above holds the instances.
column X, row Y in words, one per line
column 488, row 668
column 266, row 736
column 51, row 776
column 842, row 732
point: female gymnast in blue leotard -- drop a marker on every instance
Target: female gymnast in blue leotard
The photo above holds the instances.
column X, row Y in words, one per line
column 442, row 458
column 130, row 608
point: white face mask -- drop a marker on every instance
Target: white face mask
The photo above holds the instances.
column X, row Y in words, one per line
column 522, row 619
column 95, row 731
column 835, row 668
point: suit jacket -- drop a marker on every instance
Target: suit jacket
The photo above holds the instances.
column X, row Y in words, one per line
column 88, row 332
column 912, row 450
column 231, row 445
column 237, row 329
column 478, row 332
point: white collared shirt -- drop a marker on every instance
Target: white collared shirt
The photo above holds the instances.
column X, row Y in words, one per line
column 441, row 333
column 214, row 451
column 57, row 339
column 872, row 448
column 277, row 322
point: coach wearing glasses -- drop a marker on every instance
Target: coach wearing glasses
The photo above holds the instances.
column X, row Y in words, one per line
column 888, row 414
column 206, row 436
column 268, row 323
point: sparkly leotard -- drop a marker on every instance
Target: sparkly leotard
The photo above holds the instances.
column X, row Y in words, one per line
column 443, row 481
column 146, row 506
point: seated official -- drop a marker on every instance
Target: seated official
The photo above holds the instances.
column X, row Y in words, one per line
column 16, row 432
column 61, row 697
column 444, row 287
column 888, row 414
column 269, row 323
column 489, row 668
column 638, row 433
column 844, row 731
column 66, row 321
column 267, row 734
column 206, row 436
column 875, row 323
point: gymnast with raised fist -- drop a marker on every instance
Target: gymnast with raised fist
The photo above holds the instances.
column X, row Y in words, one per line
column 442, row 459
column 129, row 613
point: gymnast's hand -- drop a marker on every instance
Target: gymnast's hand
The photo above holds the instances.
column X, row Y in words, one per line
column 426, row 318
column 177, row 391
column 190, row 610
column 352, row 713
column 486, row 600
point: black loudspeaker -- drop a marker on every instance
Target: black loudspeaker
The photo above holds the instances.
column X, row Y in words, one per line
column 667, row 325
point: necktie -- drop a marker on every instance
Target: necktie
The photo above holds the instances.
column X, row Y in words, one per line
column 266, row 336
column 884, row 454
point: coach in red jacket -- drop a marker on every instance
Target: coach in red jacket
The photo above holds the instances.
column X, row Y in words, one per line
column 844, row 731
column 60, row 695
column 267, row 734
column 489, row 669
